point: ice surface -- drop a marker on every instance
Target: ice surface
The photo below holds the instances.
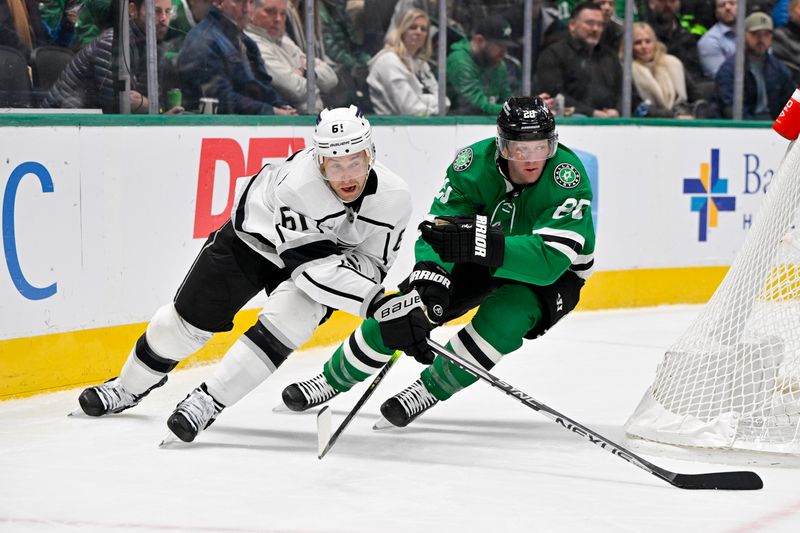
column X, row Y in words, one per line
column 480, row 462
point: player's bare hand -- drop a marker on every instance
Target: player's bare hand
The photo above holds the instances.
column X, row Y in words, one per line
column 138, row 102
column 549, row 101
column 284, row 110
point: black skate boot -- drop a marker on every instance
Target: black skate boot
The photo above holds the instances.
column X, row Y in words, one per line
column 194, row 414
column 402, row 408
column 111, row 397
column 304, row 395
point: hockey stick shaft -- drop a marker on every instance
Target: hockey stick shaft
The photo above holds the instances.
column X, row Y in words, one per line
column 719, row 480
column 360, row 403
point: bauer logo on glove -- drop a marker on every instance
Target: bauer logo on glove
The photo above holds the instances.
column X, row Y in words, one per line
column 398, row 307
column 465, row 239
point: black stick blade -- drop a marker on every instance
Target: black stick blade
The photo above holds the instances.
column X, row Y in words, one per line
column 718, row 480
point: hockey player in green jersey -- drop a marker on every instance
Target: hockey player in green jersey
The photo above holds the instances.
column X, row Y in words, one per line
column 510, row 231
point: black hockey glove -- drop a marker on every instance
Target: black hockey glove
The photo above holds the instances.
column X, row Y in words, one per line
column 465, row 239
column 432, row 282
column 403, row 324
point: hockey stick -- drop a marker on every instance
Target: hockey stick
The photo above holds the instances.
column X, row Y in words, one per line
column 324, row 438
column 716, row 480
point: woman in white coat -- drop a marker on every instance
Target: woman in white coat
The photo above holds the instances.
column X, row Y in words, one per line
column 400, row 79
column 659, row 80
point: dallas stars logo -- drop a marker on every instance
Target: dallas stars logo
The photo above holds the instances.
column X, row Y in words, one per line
column 567, row 176
column 463, row 159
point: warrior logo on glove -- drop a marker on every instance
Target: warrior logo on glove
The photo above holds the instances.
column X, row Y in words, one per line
column 480, row 235
column 465, row 239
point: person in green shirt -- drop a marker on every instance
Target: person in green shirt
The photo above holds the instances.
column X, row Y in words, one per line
column 477, row 76
column 510, row 231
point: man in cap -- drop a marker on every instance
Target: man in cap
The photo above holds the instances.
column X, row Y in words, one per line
column 767, row 81
column 477, row 78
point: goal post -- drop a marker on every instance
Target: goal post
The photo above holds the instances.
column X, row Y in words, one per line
column 731, row 382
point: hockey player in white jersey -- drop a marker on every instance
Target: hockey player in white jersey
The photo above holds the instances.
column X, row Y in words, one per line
column 318, row 232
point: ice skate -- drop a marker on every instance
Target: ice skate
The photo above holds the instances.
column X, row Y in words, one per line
column 111, row 397
column 304, row 395
column 402, row 408
column 194, row 414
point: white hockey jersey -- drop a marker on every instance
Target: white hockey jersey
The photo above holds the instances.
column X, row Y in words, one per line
column 338, row 253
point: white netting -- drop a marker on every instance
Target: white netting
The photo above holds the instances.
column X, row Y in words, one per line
column 732, row 381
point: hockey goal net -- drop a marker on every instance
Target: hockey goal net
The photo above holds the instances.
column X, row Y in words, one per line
column 732, row 380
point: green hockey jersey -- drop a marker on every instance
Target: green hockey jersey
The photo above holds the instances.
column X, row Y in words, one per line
column 548, row 225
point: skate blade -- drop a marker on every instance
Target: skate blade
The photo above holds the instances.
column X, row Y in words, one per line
column 169, row 440
column 281, row 408
column 383, row 424
column 78, row 413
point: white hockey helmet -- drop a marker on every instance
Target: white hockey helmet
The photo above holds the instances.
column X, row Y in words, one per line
column 343, row 131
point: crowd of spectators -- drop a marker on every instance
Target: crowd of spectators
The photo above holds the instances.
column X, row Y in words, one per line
column 250, row 56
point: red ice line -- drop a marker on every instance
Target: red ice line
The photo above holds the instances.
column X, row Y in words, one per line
column 767, row 520
column 145, row 527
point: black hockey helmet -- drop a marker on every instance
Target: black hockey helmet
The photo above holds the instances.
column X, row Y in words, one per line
column 526, row 118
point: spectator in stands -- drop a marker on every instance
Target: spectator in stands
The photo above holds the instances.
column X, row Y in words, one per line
column 613, row 31
column 588, row 75
column 219, row 61
column 186, row 14
column 477, row 78
column 59, row 17
column 338, row 38
column 468, row 14
column 658, row 78
column 547, row 28
column 719, row 42
column 767, row 81
column 94, row 16
column 283, row 58
column 665, row 20
column 697, row 16
column 786, row 42
column 88, row 80
column 400, row 79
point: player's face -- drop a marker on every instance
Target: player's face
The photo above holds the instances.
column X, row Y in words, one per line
column 527, row 150
column 347, row 175
column 525, row 172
